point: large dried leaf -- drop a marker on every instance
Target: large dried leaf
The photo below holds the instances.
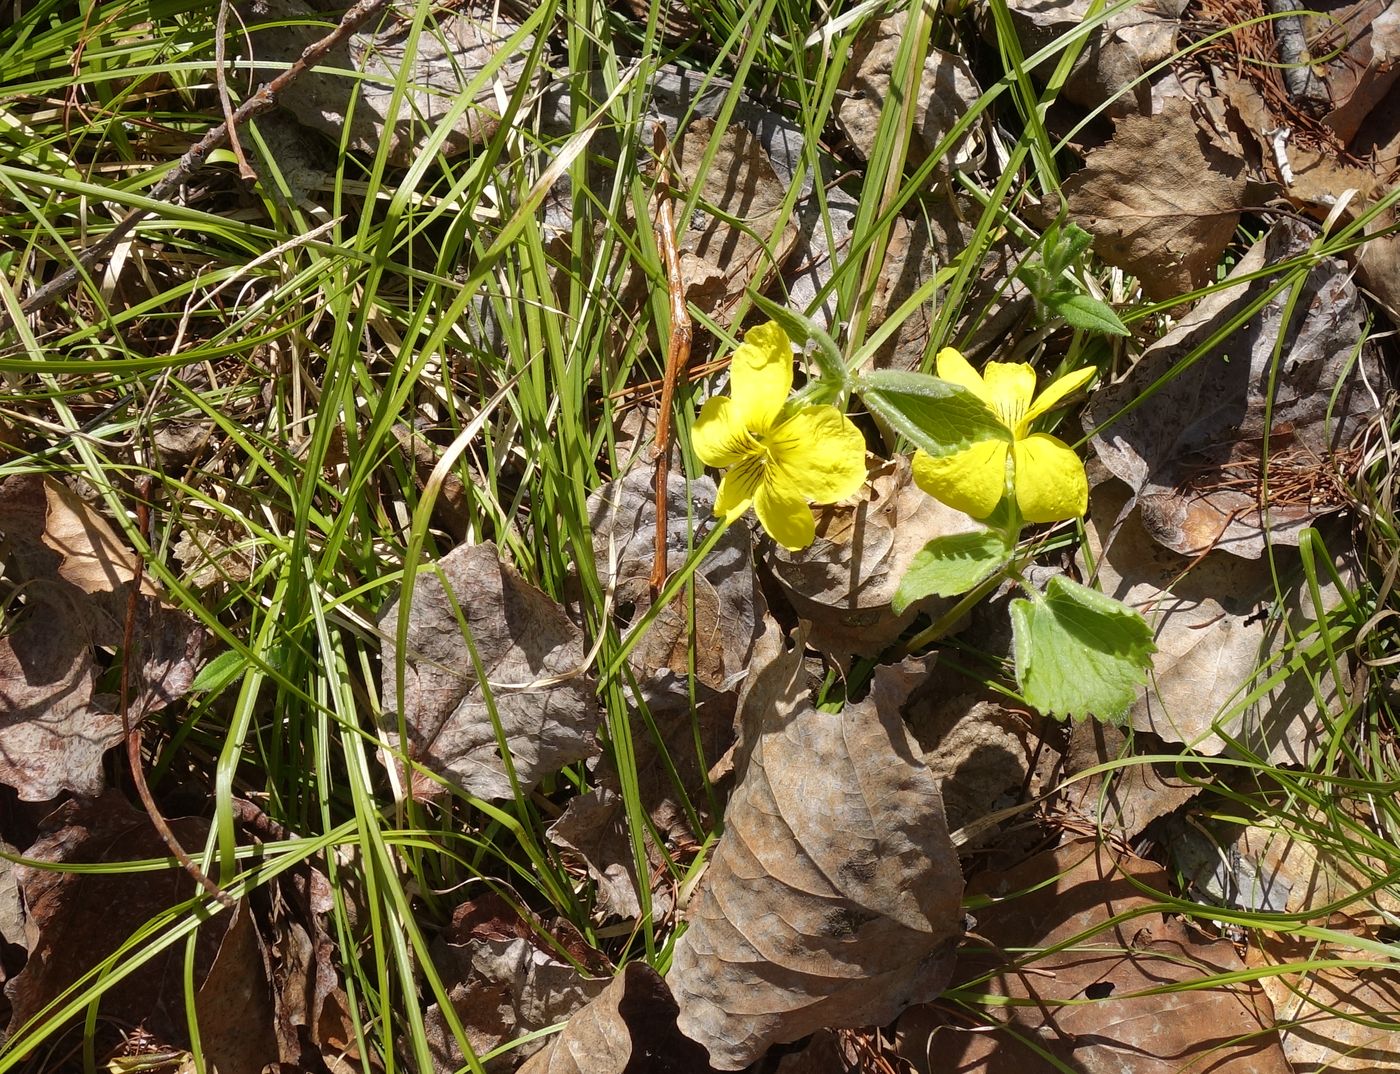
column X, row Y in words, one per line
column 1161, row 201
column 629, row 1028
column 832, row 899
column 75, row 578
column 1215, row 620
column 1192, row 451
column 453, row 49
column 844, row 581
column 1338, row 1020
column 472, row 618
column 1072, row 892
column 76, row 920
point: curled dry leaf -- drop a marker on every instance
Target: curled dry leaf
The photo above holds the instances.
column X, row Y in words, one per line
column 1192, row 452
column 1215, row 621
column 1073, row 892
column 629, row 1028
column 75, row 578
column 1126, row 799
column 844, row 581
column 475, row 625
column 504, row 982
column 832, row 899
column 947, row 90
column 721, row 260
column 454, row 48
column 1161, row 201
column 978, row 750
column 728, row 607
column 1118, row 53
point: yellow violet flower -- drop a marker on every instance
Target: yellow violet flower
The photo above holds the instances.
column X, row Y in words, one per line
column 1047, row 476
column 779, row 458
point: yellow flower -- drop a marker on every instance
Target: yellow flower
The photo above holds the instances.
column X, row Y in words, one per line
column 779, row 458
column 1047, row 476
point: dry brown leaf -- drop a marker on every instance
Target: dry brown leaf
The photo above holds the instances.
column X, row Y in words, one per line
column 1124, row 800
column 719, row 260
column 504, row 981
column 843, row 582
column 1215, row 619
column 1161, row 201
column 234, row 1004
column 629, row 1028
column 76, row 920
column 1071, row 892
column 530, row 656
column 1363, row 40
column 1345, row 1016
column 947, row 89
column 832, row 897
column 977, row 749
column 455, row 46
column 1192, row 451
column 728, row 607
column 52, row 735
column 74, row 577
column 1117, row 54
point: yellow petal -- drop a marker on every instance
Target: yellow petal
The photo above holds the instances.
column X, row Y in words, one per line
column 956, row 369
column 1010, row 387
column 760, row 376
column 1060, row 389
column 1050, row 481
column 784, row 514
column 719, row 435
column 817, row 453
column 971, row 481
column 737, row 488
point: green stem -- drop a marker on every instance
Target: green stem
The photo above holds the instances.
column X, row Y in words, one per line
column 949, row 619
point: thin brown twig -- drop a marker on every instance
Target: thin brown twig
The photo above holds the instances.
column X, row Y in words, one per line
column 245, row 170
column 677, row 350
column 132, row 730
column 195, row 157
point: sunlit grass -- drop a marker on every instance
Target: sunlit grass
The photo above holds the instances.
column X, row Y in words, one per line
column 310, row 337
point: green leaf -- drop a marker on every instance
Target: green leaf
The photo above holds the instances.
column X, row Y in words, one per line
column 1087, row 313
column 219, row 672
column 947, row 566
column 1072, row 242
column 1080, row 653
column 940, row 417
